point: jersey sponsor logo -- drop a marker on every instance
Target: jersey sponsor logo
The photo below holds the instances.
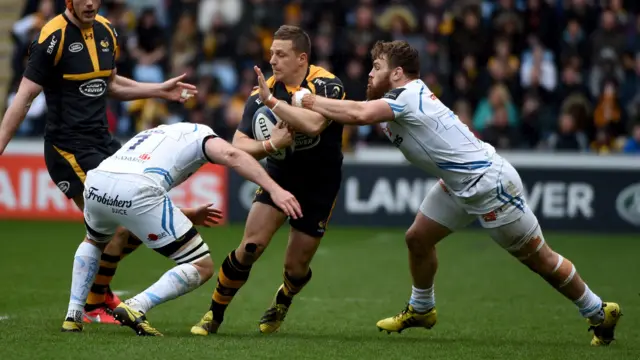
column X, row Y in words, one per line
column 319, row 82
column 93, row 88
column 105, row 199
column 336, row 90
column 305, row 142
column 139, row 159
column 397, row 141
column 393, row 94
column 105, row 45
column 76, row 47
column 64, row 186
column 628, row 204
column 489, row 217
column 52, row 45
column 156, row 237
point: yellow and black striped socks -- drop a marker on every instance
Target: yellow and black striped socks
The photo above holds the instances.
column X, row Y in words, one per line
column 291, row 287
column 231, row 277
column 106, row 271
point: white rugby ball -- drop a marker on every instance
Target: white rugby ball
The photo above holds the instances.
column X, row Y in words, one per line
column 264, row 120
column 297, row 97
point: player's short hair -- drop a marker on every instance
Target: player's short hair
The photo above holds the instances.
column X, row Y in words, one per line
column 299, row 38
column 399, row 54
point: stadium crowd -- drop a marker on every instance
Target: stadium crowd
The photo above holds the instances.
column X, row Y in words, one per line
column 523, row 74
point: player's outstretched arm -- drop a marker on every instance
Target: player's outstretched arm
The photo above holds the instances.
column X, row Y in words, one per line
column 302, row 120
column 17, row 111
column 349, row 112
column 125, row 89
column 221, row 152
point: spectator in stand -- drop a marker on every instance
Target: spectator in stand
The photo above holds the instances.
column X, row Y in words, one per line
column 499, row 98
column 148, row 48
column 568, row 137
column 632, row 145
column 499, row 133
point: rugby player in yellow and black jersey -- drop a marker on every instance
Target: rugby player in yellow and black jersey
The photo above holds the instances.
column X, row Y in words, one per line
column 73, row 62
column 312, row 173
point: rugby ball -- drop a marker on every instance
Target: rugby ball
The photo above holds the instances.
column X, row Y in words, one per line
column 297, row 97
column 264, row 120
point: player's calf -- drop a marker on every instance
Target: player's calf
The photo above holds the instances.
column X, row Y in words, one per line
column 194, row 267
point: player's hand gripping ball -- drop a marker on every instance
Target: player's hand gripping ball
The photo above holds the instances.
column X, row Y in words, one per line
column 297, row 97
column 264, row 121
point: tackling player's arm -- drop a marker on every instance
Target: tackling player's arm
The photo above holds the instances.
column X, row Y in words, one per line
column 242, row 139
column 44, row 53
column 350, row 112
column 221, row 152
column 305, row 121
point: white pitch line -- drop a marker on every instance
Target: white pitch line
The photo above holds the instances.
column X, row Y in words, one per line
column 121, row 292
column 4, row 317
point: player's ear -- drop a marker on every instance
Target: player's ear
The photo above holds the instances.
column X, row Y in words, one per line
column 303, row 57
column 397, row 74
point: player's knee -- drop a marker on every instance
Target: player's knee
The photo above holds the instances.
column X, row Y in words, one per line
column 250, row 249
column 205, row 268
column 99, row 244
column 522, row 238
column 121, row 237
column 417, row 242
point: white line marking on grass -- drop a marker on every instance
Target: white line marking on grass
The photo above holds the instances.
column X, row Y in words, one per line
column 121, row 292
column 4, row 317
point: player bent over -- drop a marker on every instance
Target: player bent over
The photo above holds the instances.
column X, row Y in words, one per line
column 130, row 189
column 476, row 182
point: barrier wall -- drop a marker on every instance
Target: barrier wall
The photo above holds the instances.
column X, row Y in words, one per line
column 567, row 192
column 27, row 192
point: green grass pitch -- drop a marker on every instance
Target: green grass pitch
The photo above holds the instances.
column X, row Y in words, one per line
column 490, row 306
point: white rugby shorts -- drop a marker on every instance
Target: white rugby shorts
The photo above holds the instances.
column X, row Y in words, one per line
column 134, row 202
column 497, row 201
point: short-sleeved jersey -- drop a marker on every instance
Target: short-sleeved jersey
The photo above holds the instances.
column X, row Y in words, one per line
column 73, row 65
column 312, row 154
column 432, row 137
column 167, row 154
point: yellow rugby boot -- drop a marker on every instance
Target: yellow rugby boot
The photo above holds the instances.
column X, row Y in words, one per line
column 70, row 325
column 408, row 318
column 135, row 320
column 206, row 325
column 273, row 317
column 604, row 331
